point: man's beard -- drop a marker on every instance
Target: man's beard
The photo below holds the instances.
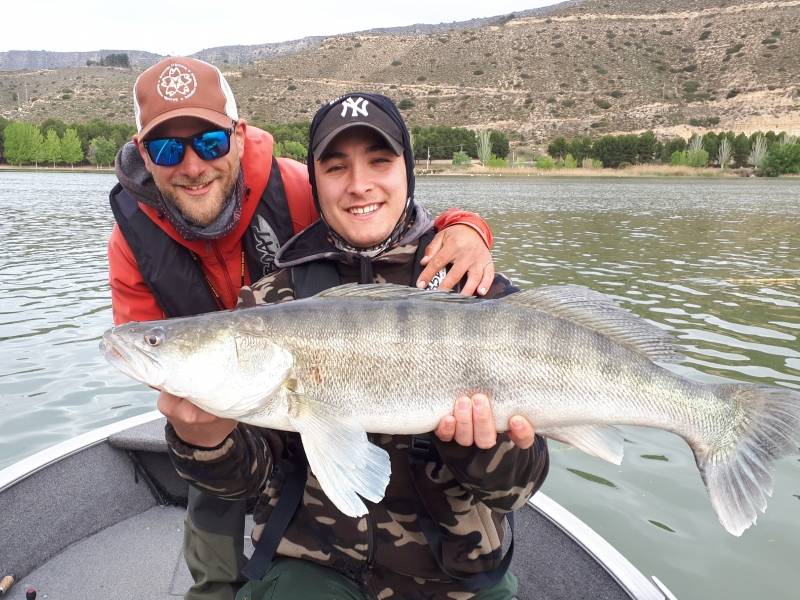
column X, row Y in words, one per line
column 205, row 214
column 198, row 226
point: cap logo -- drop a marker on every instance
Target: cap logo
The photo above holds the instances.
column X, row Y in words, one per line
column 176, row 83
column 353, row 104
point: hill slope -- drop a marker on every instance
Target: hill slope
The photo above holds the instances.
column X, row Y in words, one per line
column 584, row 67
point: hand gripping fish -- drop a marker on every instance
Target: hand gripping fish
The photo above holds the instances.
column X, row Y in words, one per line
column 392, row 359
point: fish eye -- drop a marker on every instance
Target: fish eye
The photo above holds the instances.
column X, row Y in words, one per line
column 153, row 338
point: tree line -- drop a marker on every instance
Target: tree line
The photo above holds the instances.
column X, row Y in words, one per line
column 54, row 142
column 97, row 142
column 769, row 153
column 111, row 60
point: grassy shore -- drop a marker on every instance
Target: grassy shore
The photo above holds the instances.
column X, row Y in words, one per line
column 633, row 171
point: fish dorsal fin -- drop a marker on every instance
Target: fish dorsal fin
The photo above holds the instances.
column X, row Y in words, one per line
column 391, row 291
column 601, row 313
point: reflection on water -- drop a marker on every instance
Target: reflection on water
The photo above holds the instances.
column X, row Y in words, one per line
column 714, row 262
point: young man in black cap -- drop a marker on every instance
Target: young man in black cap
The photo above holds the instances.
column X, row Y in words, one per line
column 438, row 532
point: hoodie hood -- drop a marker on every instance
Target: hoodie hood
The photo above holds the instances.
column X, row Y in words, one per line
column 135, row 178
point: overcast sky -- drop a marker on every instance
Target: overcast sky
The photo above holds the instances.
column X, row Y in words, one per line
column 179, row 27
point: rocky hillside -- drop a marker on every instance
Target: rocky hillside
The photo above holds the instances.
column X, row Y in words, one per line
column 581, row 67
column 16, row 60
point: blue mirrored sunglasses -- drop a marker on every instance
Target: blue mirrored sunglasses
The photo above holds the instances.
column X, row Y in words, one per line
column 168, row 152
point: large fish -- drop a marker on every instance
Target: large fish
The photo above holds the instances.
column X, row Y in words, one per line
column 392, row 359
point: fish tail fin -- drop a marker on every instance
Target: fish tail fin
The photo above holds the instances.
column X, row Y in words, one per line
column 737, row 467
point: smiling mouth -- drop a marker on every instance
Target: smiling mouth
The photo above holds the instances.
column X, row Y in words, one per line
column 196, row 189
column 364, row 210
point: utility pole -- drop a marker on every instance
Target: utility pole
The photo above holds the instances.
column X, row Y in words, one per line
column 429, row 159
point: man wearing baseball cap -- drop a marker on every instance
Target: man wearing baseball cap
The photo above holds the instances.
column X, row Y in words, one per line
column 438, row 531
column 201, row 208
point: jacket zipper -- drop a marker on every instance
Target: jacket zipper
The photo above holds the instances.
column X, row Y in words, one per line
column 222, row 264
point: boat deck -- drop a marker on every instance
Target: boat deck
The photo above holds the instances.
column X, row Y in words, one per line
column 92, row 525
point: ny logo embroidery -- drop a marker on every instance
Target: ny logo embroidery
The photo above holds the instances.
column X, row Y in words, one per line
column 353, row 104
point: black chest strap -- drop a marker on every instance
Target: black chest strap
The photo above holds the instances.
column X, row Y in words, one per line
column 294, row 471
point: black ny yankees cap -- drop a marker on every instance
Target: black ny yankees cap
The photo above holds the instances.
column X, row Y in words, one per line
column 357, row 110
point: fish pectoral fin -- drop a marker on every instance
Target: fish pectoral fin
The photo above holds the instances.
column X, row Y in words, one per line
column 604, row 442
column 341, row 457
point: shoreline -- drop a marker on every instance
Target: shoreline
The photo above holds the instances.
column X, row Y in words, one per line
column 81, row 169
column 628, row 172
column 480, row 171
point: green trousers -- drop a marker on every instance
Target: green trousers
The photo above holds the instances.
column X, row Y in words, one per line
column 291, row 579
column 213, row 546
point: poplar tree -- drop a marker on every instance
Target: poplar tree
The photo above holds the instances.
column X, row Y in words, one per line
column 51, row 151
column 71, row 151
column 20, row 143
column 38, row 146
column 102, row 151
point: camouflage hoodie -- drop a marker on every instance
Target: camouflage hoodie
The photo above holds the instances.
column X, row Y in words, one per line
column 468, row 493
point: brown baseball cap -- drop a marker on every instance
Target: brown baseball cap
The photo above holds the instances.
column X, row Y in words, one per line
column 182, row 87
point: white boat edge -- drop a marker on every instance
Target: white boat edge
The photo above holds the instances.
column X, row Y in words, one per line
column 620, row 568
column 52, row 454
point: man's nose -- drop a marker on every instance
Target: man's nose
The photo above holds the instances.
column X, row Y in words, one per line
column 192, row 165
column 359, row 182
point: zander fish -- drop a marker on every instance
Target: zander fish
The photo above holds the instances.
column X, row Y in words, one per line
column 392, row 359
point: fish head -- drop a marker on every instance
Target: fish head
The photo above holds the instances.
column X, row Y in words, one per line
column 212, row 362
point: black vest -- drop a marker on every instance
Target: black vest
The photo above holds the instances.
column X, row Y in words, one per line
column 171, row 270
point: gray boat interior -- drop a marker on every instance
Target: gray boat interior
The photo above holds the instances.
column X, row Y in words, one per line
column 106, row 521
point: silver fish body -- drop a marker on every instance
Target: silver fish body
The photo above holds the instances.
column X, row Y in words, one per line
column 392, row 360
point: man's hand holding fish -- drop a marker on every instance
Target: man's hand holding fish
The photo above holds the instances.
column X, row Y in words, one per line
column 472, row 422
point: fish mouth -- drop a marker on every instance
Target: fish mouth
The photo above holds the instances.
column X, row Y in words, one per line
column 131, row 360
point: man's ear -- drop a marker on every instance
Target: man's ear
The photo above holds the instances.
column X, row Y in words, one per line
column 239, row 133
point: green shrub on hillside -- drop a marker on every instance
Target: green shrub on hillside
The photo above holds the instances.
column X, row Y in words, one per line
column 461, row 159
column 545, row 163
column 782, row 159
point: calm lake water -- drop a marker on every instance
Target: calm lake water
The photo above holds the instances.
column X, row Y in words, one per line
column 716, row 262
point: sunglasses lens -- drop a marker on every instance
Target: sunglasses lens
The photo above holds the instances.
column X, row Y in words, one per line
column 212, row 144
column 165, row 152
